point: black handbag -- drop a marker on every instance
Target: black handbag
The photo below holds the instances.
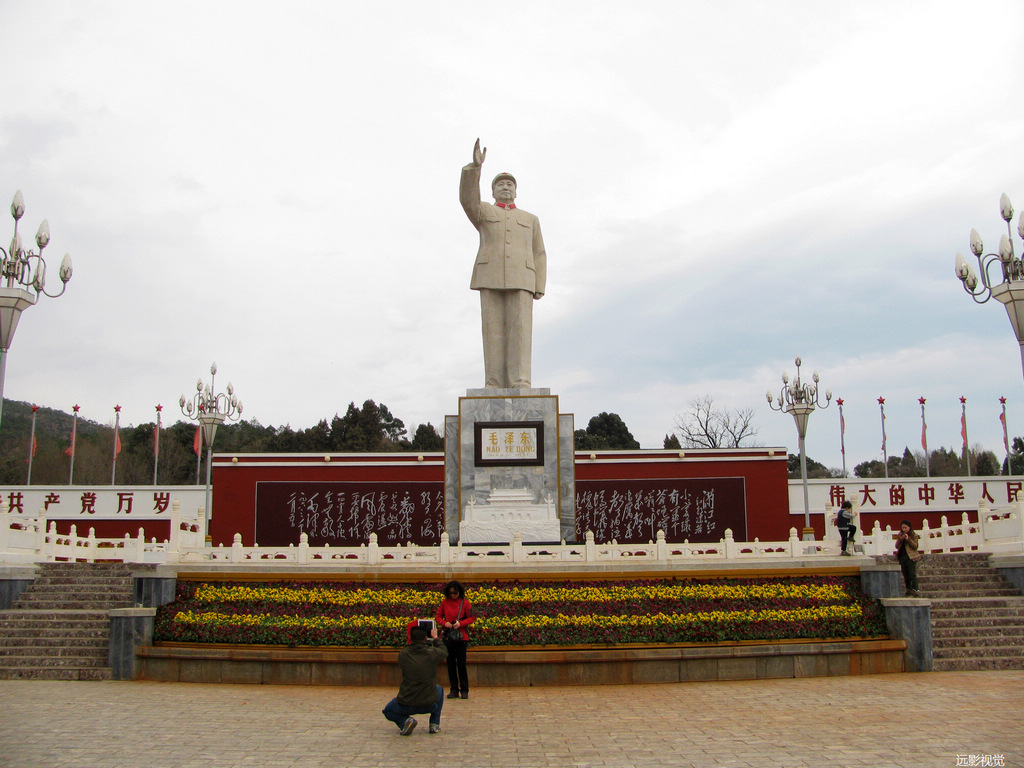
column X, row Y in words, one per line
column 454, row 635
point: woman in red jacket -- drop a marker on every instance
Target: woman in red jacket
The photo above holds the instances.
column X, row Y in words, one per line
column 454, row 616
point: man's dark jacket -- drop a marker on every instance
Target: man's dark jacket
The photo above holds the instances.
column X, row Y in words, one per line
column 418, row 663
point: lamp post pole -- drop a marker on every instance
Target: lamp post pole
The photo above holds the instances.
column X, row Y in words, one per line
column 22, row 281
column 799, row 400
column 211, row 410
column 1007, row 284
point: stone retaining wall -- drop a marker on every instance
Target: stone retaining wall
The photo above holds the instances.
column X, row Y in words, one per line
column 525, row 666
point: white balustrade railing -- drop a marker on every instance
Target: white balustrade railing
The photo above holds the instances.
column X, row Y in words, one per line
column 996, row 531
column 27, row 540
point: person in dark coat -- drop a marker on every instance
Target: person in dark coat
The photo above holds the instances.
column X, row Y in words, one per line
column 419, row 693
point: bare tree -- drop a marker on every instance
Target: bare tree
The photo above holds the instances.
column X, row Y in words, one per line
column 706, row 425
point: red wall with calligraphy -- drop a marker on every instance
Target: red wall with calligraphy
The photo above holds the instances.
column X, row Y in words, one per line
column 261, row 495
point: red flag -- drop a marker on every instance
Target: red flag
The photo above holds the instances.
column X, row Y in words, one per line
column 34, row 445
column 197, row 441
column 117, row 442
column 963, row 428
column 1002, row 420
column 70, row 450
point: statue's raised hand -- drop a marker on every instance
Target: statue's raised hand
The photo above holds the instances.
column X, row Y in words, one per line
column 478, row 154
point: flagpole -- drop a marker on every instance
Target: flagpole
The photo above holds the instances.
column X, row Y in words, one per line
column 885, row 456
column 156, row 443
column 963, row 432
column 842, row 433
column 117, row 442
column 924, row 439
column 32, row 445
column 1006, row 437
column 71, row 449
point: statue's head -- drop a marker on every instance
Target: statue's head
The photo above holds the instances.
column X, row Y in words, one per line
column 504, row 188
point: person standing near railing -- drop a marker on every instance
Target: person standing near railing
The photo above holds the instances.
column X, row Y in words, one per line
column 907, row 554
column 454, row 615
column 847, row 530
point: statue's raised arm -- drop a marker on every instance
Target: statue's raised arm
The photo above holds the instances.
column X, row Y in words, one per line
column 478, row 154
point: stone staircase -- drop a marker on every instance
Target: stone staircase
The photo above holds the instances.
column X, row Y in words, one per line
column 977, row 615
column 59, row 628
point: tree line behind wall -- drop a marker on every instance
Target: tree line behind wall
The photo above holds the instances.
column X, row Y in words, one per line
column 370, row 428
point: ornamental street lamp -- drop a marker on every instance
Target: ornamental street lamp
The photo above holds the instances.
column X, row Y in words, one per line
column 1007, row 284
column 211, row 410
column 22, row 280
column 800, row 400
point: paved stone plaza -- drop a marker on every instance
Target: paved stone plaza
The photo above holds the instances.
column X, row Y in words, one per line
column 885, row 720
column 917, row 720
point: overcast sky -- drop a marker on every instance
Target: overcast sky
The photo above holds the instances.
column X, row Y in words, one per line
column 721, row 186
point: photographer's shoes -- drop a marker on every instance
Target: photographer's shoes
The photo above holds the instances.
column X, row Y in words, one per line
column 435, row 728
column 408, row 726
column 465, row 694
column 453, row 695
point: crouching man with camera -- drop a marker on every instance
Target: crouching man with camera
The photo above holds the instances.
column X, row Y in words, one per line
column 419, row 693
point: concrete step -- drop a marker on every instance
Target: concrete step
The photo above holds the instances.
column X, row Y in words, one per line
column 989, row 652
column 30, row 661
column 980, row 624
column 977, row 642
column 977, row 663
column 44, row 639
column 952, row 593
column 66, row 582
column 50, row 614
column 54, row 673
column 13, row 655
column 69, row 605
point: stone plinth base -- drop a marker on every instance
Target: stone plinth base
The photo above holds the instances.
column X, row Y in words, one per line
column 509, row 468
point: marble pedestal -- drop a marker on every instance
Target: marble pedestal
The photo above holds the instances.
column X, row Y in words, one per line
column 509, row 468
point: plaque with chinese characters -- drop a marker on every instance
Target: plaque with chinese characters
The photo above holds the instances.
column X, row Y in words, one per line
column 509, row 444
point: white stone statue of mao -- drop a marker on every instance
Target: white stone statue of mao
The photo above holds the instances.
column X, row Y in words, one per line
column 510, row 273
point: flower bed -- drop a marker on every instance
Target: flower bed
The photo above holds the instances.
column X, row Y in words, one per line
column 525, row 613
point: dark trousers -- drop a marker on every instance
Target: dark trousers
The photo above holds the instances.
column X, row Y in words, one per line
column 458, row 677
column 845, row 533
column 909, row 568
column 397, row 713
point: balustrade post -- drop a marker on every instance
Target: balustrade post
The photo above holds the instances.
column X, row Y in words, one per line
column 201, row 526
column 140, row 547
column 5, row 529
column 730, row 545
column 72, row 546
column 90, row 546
column 174, row 539
column 926, row 532
column 303, row 558
column 446, row 549
column 372, row 551
column 795, row 545
column 236, row 548
column 662, row 546
column 518, row 556
column 590, row 548
column 42, row 537
column 876, row 540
